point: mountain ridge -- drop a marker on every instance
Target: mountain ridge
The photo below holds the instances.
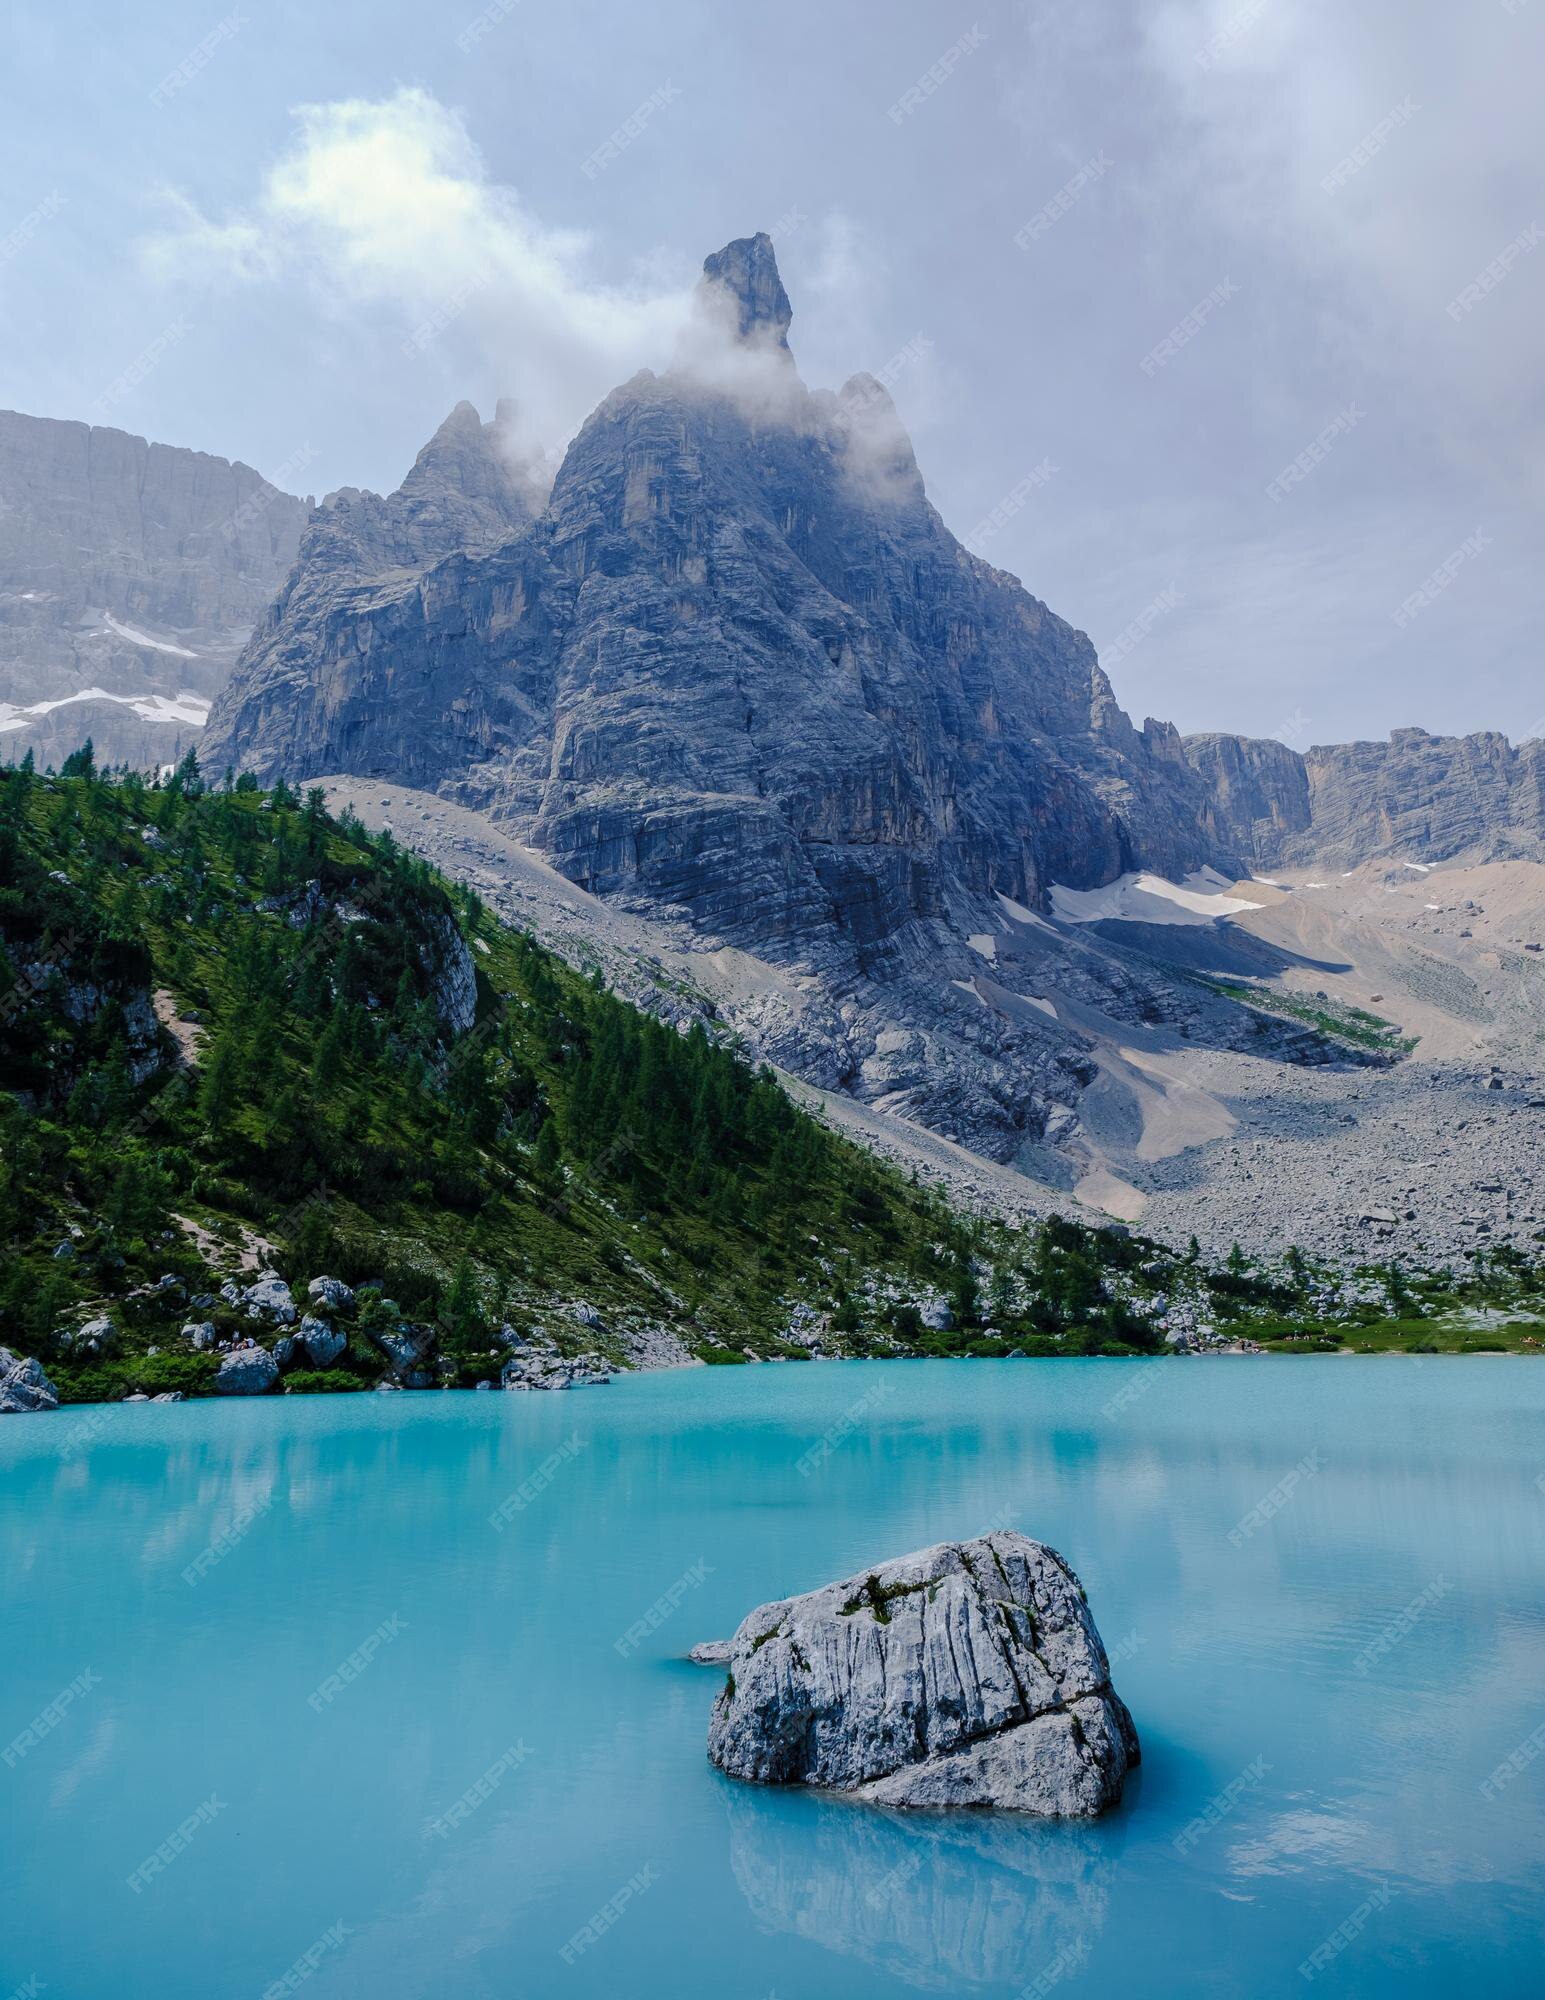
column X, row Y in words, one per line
column 1416, row 796
column 738, row 676
column 732, row 673
column 809, row 510
column 104, row 534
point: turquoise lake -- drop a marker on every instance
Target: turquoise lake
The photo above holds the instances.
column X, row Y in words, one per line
column 1322, row 1582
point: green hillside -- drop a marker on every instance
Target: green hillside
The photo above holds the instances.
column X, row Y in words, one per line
column 239, row 1035
column 481, row 1130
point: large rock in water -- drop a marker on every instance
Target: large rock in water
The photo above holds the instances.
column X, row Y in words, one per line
column 969, row 1674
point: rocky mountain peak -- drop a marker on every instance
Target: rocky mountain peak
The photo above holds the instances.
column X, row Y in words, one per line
column 747, row 270
column 469, row 458
column 463, row 422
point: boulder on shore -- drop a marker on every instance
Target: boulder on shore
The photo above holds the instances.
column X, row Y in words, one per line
column 269, row 1298
column 323, row 1343
column 968, row 1674
column 23, row 1385
column 246, row 1371
column 90, row 1341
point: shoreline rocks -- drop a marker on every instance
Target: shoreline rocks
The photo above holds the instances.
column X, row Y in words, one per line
column 24, row 1388
column 268, row 1298
column 554, row 1371
column 246, row 1371
column 968, row 1674
column 323, row 1342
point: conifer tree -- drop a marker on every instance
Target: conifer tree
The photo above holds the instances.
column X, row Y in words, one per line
column 549, row 1151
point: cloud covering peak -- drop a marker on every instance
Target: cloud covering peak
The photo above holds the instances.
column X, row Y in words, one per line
column 387, row 204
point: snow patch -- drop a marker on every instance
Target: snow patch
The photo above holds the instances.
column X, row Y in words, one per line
column 968, row 986
column 183, row 707
column 986, row 945
column 1020, row 914
column 137, row 638
column 1145, row 899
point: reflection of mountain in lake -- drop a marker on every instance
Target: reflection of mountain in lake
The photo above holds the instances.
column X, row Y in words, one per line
column 937, row 1901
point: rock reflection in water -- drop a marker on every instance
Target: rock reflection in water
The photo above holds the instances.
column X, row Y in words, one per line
column 938, row 1900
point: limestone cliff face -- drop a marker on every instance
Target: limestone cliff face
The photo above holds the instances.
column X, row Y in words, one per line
column 1428, row 797
column 746, row 274
column 92, row 518
column 735, row 674
column 737, row 667
column 1257, row 792
column 1417, row 797
column 130, row 574
column 465, row 491
column 365, row 659
column 779, row 700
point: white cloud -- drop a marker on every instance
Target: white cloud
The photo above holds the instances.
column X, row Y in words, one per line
column 1425, row 123
column 388, row 206
column 194, row 246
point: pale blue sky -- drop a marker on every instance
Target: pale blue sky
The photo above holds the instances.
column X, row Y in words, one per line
column 181, row 254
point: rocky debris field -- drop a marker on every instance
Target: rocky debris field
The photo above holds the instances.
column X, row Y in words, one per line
column 1262, row 1135
column 1425, row 1162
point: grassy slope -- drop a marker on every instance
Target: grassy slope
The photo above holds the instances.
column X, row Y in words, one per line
column 1341, row 1022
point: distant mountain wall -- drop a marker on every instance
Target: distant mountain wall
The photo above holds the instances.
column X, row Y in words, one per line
column 1418, row 797
column 130, row 570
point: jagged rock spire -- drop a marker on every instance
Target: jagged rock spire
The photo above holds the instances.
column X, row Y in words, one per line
column 748, row 270
column 470, row 458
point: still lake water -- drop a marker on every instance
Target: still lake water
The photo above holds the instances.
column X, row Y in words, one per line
column 1320, row 1700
